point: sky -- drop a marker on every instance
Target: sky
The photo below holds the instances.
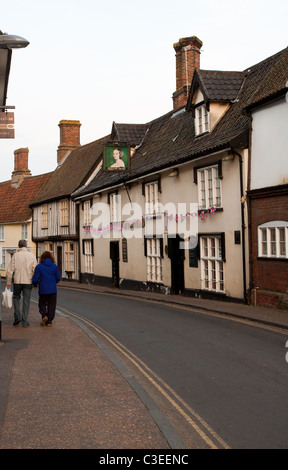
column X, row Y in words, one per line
column 101, row 61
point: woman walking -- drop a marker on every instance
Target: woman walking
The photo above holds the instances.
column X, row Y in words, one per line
column 46, row 277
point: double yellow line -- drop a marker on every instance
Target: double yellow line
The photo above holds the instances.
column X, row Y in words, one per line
column 207, row 434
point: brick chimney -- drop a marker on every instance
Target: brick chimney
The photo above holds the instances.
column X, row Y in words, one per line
column 187, row 59
column 21, row 170
column 69, row 138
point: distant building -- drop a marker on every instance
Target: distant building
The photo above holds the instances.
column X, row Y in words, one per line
column 15, row 213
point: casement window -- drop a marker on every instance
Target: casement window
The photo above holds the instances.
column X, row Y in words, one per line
column 209, row 187
column 69, row 256
column 2, row 260
column 154, row 254
column 24, row 232
column 64, row 219
column 87, row 213
column 44, row 216
column 273, row 240
column 212, row 262
column 202, row 123
column 49, row 247
column 151, row 198
column 88, row 255
column 1, row 232
column 115, row 209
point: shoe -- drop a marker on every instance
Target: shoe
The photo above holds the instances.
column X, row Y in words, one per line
column 44, row 321
column 25, row 325
column 49, row 324
column 17, row 321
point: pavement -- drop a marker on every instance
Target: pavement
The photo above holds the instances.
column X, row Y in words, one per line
column 61, row 390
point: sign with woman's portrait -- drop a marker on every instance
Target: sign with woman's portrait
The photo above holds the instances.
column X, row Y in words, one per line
column 116, row 158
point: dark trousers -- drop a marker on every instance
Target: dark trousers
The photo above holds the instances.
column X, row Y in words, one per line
column 47, row 306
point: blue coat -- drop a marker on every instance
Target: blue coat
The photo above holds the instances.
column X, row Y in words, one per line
column 46, row 276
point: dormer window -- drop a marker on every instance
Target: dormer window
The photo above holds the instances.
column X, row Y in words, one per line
column 202, row 121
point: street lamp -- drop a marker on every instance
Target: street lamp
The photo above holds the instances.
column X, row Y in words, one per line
column 7, row 43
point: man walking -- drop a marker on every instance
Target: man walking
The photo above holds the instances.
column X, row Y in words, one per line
column 22, row 265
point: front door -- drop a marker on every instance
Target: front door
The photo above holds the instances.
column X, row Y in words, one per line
column 59, row 258
column 114, row 256
column 176, row 255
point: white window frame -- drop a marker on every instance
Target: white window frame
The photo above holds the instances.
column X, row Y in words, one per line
column 2, row 231
column 114, row 201
column 209, row 187
column 88, row 256
column 64, row 217
column 202, row 119
column 87, row 213
column 24, row 231
column 273, row 240
column 154, row 260
column 44, row 216
column 70, row 256
column 212, row 264
column 152, row 198
column 3, row 260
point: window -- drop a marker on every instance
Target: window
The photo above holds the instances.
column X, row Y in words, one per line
column 209, row 187
column 87, row 213
column 154, row 248
column 24, row 232
column 212, row 263
column 273, row 240
column 69, row 257
column 201, row 119
column 49, row 247
column 88, row 256
column 2, row 260
column 114, row 201
column 44, row 216
column 64, row 213
column 151, row 198
column 1, row 232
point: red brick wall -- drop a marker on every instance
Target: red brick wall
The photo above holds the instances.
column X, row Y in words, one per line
column 267, row 274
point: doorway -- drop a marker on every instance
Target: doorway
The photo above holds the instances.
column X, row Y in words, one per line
column 114, row 256
column 59, row 258
column 177, row 256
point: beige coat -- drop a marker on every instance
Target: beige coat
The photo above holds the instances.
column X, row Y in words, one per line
column 22, row 265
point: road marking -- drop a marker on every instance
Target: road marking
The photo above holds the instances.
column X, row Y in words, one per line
column 196, row 422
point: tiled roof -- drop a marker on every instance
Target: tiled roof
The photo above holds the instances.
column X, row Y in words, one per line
column 274, row 82
column 72, row 172
column 218, row 85
column 132, row 133
column 170, row 140
column 14, row 202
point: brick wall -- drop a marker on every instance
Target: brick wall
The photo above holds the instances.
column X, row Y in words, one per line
column 269, row 276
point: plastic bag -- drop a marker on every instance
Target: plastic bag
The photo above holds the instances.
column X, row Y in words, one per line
column 7, row 298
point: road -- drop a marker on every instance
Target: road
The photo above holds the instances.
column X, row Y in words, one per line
column 221, row 383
